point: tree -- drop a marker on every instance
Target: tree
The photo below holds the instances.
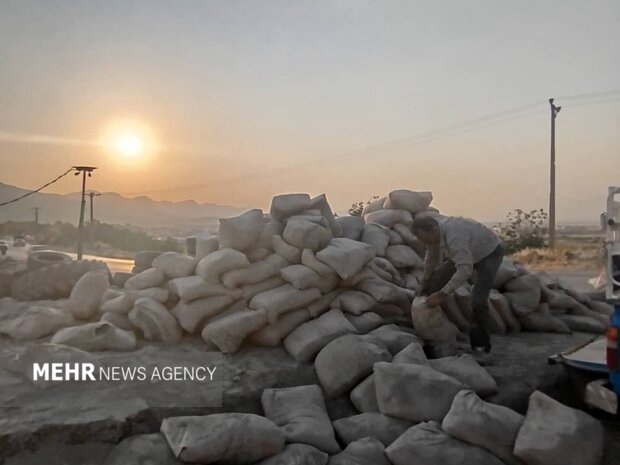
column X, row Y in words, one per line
column 357, row 208
column 523, row 230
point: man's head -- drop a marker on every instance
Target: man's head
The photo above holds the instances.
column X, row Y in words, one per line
column 426, row 228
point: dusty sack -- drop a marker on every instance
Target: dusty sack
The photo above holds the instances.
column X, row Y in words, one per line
column 351, row 226
column 365, row 451
column 194, row 287
column 414, row 392
column 377, row 236
column 96, row 337
column 432, row 325
column 272, row 335
column 175, row 265
column 310, row 337
column 414, row 202
column 426, row 444
column 285, row 205
column 213, row 265
column 192, row 315
column 403, row 256
column 342, row 363
column 35, row 322
column 492, row 427
column 554, row 434
column 290, row 253
column 86, row 294
column 523, row 293
column 241, row 232
column 148, row 278
column 345, row 256
column 465, row 369
column 283, row 299
column 389, row 217
column 297, row 454
column 371, row 424
column 301, row 415
column 222, row 437
column 155, row 321
column 306, row 235
column 254, row 273
column 228, row 332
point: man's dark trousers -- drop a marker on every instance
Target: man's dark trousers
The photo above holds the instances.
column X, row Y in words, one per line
column 485, row 271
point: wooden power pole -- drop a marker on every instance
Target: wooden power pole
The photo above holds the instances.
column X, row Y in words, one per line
column 554, row 112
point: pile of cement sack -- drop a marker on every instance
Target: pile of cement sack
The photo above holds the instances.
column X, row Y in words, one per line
column 430, row 412
column 298, row 276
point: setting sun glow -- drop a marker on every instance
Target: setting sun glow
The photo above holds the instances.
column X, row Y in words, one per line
column 129, row 139
column 130, row 145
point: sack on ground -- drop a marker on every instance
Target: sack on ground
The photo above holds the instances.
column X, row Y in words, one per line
column 414, row 392
column 155, row 321
column 310, row 337
column 297, row 454
column 86, row 294
column 228, row 332
column 301, row 415
column 427, row 444
column 492, row 427
column 554, row 434
column 465, row 369
column 371, row 424
column 344, row 362
column 365, row 451
column 238, row 438
column 96, row 337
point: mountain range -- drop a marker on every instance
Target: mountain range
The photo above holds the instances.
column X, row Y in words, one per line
column 113, row 208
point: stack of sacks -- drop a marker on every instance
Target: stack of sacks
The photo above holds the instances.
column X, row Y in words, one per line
column 301, row 277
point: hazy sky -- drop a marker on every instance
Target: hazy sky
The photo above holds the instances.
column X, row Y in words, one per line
column 248, row 99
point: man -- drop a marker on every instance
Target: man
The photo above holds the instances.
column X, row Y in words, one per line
column 466, row 246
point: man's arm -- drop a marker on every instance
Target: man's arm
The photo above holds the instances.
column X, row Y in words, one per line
column 431, row 261
column 463, row 261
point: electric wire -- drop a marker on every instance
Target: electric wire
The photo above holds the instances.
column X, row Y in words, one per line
column 37, row 190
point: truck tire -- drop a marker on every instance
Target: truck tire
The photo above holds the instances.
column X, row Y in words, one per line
column 44, row 258
column 52, row 282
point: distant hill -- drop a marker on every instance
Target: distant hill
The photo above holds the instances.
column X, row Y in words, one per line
column 113, row 208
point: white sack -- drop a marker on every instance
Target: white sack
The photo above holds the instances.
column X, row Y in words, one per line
column 35, row 322
column 96, row 337
column 452, row 310
column 155, row 321
column 465, row 369
column 297, row 454
column 371, row 424
column 365, row 451
column 148, row 278
column 285, row 250
column 228, row 332
column 254, row 273
column 352, row 226
column 194, row 287
column 365, row 322
column 306, row 235
column 310, row 337
column 320, row 202
column 303, row 277
column 345, row 256
column 374, row 206
column 241, row 232
column 285, row 205
column 215, row 264
column 117, row 319
column 121, row 304
column 320, row 306
column 403, row 256
column 502, row 306
column 426, row 444
column 389, row 217
column 237, row 438
column 393, row 337
column 507, row 272
column 414, row 392
column 432, row 325
column 554, row 434
column 523, row 293
column 354, row 302
column 344, row 362
column 413, row 202
column 175, row 265
column 250, row 290
column 492, row 427
column 283, row 299
column 377, row 236
column 86, row 294
column 308, row 258
column 270, row 229
column 193, row 315
column 301, row 415
column 273, row 334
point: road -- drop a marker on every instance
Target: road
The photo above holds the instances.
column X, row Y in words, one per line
column 20, row 254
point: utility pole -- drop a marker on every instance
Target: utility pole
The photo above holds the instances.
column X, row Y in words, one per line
column 85, row 170
column 91, row 195
column 36, row 215
column 554, row 112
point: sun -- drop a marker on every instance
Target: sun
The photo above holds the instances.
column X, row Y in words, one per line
column 129, row 139
column 130, row 145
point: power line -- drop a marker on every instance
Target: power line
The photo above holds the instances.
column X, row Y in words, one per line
column 37, row 190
